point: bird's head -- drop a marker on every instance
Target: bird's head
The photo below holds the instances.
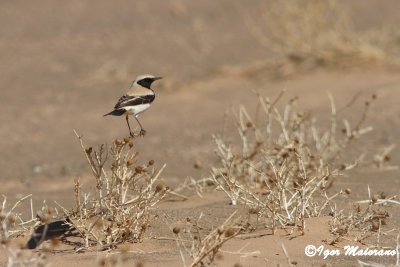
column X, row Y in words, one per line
column 145, row 80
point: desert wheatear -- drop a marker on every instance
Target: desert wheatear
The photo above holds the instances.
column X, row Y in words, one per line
column 136, row 100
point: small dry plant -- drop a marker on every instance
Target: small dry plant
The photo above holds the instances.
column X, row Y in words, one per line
column 119, row 209
column 307, row 34
column 203, row 250
column 286, row 163
column 366, row 220
column 13, row 225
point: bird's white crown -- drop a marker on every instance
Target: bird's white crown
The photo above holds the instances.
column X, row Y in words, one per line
column 144, row 76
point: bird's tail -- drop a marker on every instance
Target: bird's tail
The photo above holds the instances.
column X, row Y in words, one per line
column 115, row 112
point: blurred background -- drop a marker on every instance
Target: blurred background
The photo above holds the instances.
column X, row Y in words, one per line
column 65, row 63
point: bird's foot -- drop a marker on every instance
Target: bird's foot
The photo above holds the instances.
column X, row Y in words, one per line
column 142, row 132
column 132, row 134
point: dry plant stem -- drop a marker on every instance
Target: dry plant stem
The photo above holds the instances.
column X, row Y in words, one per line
column 286, row 254
column 398, row 250
column 241, row 253
column 16, row 204
column 351, row 102
column 96, row 167
column 381, row 158
column 77, row 191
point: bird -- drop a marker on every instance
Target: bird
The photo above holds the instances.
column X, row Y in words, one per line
column 52, row 230
column 139, row 97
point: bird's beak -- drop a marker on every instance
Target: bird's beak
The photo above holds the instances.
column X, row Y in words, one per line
column 157, row 78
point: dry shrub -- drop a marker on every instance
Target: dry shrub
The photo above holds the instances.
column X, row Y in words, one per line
column 307, row 34
column 285, row 165
column 12, row 225
column 368, row 218
column 203, row 250
column 120, row 208
column 361, row 222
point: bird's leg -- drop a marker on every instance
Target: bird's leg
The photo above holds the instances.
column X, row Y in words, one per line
column 130, row 131
column 142, row 131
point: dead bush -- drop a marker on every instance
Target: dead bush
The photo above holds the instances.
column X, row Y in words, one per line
column 120, row 207
column 286, row 162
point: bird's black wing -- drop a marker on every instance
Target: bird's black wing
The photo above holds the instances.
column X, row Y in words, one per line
column 128, row 100
column 51, row 230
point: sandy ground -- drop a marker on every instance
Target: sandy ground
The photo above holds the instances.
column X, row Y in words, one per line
column 65, row 64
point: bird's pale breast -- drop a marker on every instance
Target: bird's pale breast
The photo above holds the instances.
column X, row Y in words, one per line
column 135, row 110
